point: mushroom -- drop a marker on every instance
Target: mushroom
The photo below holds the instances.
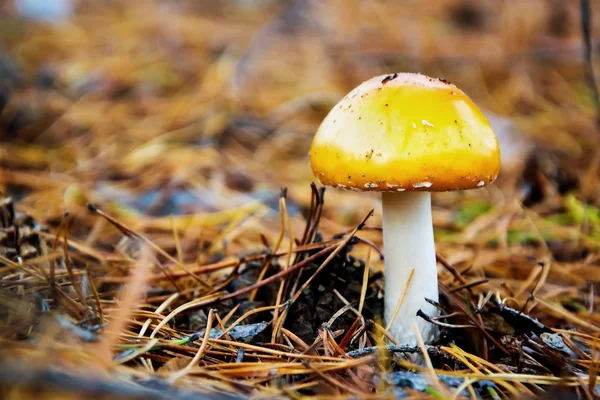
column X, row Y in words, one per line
column 406, row 135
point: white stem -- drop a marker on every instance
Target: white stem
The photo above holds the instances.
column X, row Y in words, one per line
column 408, row 243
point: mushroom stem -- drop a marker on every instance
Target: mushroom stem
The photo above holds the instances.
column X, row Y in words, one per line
column 408, row 243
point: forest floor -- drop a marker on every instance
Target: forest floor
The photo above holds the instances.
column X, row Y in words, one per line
column 161, row 238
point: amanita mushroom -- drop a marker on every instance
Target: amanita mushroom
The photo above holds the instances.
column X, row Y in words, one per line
column 406, row 135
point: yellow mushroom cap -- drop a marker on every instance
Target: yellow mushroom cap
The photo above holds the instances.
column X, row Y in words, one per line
column 405, row 132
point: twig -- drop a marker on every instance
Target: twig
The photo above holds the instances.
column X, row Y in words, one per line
column 94, row 293
column 389, row 349
column 179, row 374
column 470, row 285
column 68, row 264
column 427, row 318
column 129, row 300
column 365, row 282
column 400, row 300
column 435, row 380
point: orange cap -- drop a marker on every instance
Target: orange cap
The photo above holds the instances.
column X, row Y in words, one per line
column 405, row 132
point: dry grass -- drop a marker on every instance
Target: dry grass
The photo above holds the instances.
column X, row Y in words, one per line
column 181, row 121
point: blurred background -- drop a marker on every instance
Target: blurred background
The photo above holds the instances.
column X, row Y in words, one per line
column 179, row 107
column 191, row 115
column 158, row 108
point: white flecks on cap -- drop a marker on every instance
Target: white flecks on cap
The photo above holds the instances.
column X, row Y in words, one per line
column 427, row 123
column 422, row 184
